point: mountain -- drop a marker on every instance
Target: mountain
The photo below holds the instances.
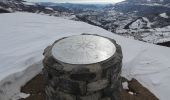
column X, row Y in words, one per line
column 26, row 35
column 11, row 4
column 144, row 21
column 149, row 1
column 23, row 6
column 75, row 8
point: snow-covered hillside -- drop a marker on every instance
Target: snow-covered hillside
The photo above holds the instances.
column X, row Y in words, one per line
column 144, row 21
column 24, row 37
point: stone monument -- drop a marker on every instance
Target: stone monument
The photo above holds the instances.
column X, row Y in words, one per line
column 83, row 67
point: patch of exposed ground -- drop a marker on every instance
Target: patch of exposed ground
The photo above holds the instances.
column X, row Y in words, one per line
column 136, row 91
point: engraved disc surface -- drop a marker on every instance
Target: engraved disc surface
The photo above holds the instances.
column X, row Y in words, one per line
column 83, row 49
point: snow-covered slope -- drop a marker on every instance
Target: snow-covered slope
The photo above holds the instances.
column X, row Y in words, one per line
column 23, row 37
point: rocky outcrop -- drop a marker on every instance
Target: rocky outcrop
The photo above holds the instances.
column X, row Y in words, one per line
column 164, row 44
column 15, row 5
column 4, row 10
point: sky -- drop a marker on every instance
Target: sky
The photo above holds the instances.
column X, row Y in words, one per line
column 77, row 1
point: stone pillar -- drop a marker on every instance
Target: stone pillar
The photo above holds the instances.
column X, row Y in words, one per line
column 83, row 67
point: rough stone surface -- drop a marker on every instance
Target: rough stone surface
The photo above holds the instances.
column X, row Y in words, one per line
column 97, row 85
column 98, row 81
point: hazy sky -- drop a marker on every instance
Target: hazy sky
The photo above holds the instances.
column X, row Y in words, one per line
column 77, row 1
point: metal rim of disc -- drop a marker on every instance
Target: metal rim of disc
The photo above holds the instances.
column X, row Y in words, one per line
column 83, row 49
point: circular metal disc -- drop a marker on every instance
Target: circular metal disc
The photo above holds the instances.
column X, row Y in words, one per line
column 83, row 49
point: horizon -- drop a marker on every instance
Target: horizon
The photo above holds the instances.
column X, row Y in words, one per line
column 79, row 1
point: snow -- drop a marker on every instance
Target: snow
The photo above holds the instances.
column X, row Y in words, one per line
column 125, row 85
column 140, row 23
column 23, row 95
column 29, row 3
column 154, row 35
column 147, row 21
column 24, row 37
column 49, row 8
column 130, row 92
column 163, row 40
column 164, row 15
